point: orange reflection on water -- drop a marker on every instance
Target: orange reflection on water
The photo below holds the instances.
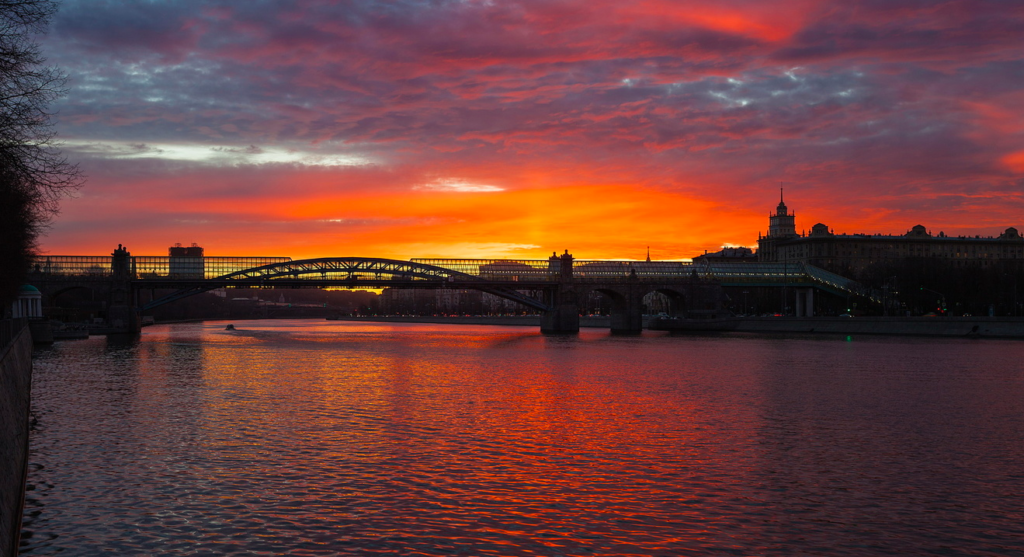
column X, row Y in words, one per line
column 442, row 439
column 506, row 419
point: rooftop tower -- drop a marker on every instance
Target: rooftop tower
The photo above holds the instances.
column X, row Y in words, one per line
column 781, row 224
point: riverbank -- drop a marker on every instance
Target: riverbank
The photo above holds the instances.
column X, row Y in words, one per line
column 969, row 327
column 15, row 395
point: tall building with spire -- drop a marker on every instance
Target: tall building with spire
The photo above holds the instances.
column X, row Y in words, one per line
column 781, row 224
column 844, row 253
column 781, row 227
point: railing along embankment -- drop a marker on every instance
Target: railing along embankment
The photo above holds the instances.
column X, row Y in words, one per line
column 15, row 390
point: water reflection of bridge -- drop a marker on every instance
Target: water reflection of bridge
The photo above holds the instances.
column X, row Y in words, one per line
column 550, row 286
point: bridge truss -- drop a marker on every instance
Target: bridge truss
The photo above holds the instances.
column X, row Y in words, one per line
column 348, row 272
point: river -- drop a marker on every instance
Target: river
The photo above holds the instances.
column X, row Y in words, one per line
column 306, row 437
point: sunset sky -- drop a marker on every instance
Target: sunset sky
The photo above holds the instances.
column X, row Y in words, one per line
column 494, row 128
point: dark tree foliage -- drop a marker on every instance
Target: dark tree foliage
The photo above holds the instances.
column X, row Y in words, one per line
column 34, row 175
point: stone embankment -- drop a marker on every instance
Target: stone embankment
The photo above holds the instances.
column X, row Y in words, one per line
column 966, row 327
column 15, row 387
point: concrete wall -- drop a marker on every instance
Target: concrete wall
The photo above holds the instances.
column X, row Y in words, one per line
column 15, row 387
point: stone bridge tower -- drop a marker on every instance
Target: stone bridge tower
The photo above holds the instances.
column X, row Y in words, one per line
column 565, row 316
column 123, row 313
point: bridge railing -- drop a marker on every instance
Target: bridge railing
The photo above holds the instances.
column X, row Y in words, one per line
column 534, row 270
column 774, row 271
column 181, row 267
column 149, row 266
column 512, row 270
column 74, row 265
column 832, row 279
column 842, row 283
column 625, row 269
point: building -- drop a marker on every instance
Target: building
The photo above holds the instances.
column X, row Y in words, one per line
column 822, row 247
column 781, row 229
column 728, row 255
column 186, row 262
column 29, row 303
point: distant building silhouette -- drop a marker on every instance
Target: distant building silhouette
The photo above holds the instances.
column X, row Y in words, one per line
column 854, row 252
column 781, row 228
column 186, row 262
column 728, row 255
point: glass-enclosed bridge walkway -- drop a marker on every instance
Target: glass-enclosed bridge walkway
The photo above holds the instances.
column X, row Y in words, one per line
column 503, row 277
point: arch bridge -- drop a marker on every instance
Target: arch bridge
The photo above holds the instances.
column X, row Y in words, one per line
column 361, row 272
column 550, row 286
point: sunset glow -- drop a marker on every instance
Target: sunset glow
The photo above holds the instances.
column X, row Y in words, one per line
column 516, row 128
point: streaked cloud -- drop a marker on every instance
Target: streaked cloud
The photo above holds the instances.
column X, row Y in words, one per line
column 456, row 185
column 215, row 155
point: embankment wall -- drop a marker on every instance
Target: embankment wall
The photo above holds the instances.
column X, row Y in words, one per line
column 976, row 327
column 15, row 389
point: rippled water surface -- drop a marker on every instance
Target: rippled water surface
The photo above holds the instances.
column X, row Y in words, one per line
column 324, row 438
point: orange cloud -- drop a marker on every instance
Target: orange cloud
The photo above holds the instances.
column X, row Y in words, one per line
column 1015, row 161
column 597, row 221
column 762, row 20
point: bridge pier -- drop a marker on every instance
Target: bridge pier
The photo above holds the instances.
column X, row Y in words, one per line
column 123, row 313
column 564, row 315
column 627, row 311
column 124, row 319
column 564, row 318
column 805, row 302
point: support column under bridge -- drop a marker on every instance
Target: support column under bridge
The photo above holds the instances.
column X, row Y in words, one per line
column 123, row 313
column 564, row 315
column 805, row 302
column 627, row 308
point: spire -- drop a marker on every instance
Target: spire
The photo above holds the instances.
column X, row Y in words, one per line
column 781, row 209
column 781, row 224
column 648, row 254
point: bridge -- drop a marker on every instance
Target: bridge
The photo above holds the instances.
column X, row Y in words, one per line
column 551, row 287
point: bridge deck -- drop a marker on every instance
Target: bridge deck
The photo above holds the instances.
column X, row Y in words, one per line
column 180, row 271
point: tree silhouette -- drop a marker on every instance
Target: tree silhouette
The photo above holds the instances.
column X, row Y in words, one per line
column 34, row 175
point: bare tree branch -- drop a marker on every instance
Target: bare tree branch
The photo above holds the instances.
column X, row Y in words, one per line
column 34, row 174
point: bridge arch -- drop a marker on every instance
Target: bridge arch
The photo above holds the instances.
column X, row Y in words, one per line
column 625, row 298
column 346, row 272
column 678, row 300
column 346, row 267
column 53, row 295
column 626, row 311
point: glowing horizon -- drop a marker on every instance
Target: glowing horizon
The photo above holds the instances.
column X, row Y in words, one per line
column 514, row 129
